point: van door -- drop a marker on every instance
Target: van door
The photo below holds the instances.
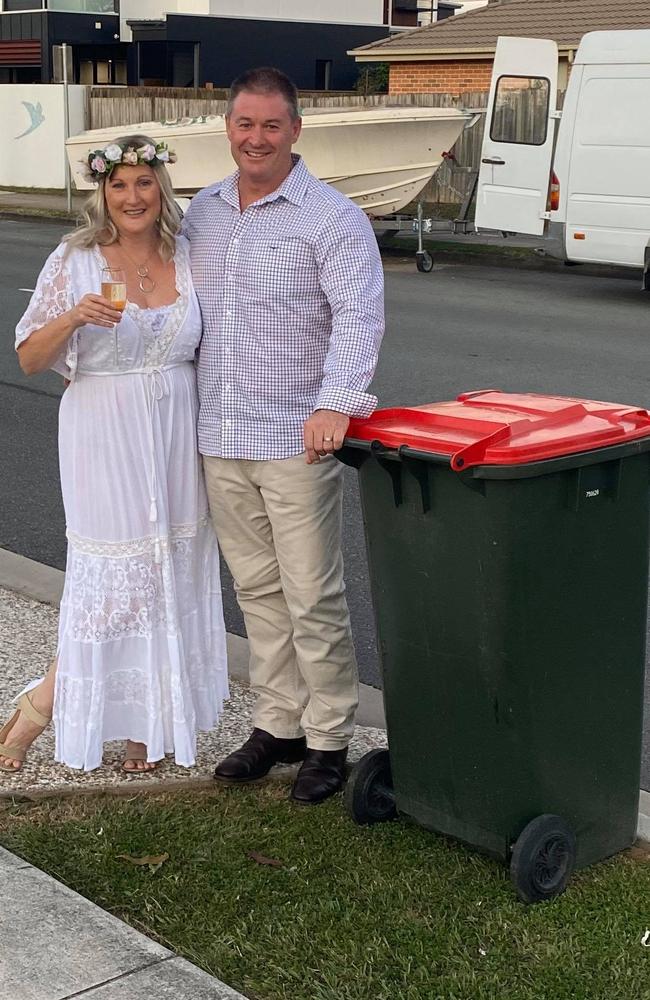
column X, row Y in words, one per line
column 519, row 137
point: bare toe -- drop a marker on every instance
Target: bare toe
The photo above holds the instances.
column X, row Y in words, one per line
column 10, row 762
column 137, row 762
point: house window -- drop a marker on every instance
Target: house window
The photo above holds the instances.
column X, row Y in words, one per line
column 323, row 77
column 83, row 6
column 521, row 107
column 183, row 59
column 103, row 72
column 10, row 5
column 86, row 72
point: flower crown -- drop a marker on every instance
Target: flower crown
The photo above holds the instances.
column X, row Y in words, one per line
column 101, row 162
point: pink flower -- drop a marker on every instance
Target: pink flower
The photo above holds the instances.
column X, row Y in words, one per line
column 98, row 165
column 147, row 153
column 130, row 157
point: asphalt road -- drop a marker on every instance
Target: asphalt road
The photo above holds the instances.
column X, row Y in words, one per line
column 462, row 327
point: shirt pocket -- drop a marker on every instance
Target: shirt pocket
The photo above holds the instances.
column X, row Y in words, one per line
column 280, row 268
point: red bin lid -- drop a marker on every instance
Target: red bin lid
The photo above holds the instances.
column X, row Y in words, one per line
column 501, row 428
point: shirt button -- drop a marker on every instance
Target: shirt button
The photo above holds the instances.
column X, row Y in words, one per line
column 227, row 423
column 229, row 315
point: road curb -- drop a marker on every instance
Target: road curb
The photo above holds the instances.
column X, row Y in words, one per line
column 107, row 951
column 472, row 253
column 643, row 829
column 39, row 214
column 45, row 584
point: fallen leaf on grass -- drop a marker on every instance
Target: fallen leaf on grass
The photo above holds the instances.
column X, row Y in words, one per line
column 261, row 859
column 154, row 860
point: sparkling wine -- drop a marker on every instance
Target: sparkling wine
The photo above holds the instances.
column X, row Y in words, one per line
column 115, row 292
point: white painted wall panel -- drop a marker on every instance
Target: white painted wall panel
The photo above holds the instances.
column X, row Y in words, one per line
column 32, row 117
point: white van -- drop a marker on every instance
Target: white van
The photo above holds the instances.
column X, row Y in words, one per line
column 581, row 176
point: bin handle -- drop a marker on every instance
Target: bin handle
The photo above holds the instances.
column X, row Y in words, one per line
column 473, row 453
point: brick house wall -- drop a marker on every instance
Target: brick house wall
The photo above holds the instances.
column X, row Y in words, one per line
column 454, row 77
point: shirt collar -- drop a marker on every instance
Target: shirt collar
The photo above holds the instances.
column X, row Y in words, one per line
column 293, row 187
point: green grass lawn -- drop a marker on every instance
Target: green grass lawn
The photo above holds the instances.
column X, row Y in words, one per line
column 387, row 913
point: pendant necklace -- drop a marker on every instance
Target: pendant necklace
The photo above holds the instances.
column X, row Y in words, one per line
column 146, row 283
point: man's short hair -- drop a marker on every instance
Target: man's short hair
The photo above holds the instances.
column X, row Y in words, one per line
column 265, row 80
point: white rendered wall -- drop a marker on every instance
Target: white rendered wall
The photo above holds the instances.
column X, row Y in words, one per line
column 32, row 153
column 152, row 10
column 471, row 5
column 341, row 11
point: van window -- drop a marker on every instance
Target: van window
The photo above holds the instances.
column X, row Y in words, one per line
column 521, row 106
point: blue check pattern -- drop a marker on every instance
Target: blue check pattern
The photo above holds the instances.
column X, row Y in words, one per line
column 291, row 292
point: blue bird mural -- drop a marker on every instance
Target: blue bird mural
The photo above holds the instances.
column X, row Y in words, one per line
column 36, row 115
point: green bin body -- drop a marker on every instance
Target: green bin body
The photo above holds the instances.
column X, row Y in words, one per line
column 510, row 602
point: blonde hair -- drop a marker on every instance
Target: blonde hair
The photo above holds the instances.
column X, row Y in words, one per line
column 96, row 227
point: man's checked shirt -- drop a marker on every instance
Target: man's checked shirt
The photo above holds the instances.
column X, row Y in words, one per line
column 291, row 292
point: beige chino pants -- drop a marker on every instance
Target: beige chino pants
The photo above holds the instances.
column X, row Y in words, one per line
column 279, row 527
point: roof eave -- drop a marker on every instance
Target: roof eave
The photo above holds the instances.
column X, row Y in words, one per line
column 437, row 55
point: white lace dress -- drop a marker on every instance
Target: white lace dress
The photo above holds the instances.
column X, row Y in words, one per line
column 141, row 652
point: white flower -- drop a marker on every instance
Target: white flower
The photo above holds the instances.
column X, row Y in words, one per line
column 113, row 153
column 130, row 157
column 163, row 156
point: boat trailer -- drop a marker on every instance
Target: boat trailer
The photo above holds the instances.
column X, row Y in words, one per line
column 425, row 226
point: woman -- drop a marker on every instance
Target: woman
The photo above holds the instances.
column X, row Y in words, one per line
column 141, row 652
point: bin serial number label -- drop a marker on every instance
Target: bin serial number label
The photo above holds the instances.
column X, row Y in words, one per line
column 592, row 493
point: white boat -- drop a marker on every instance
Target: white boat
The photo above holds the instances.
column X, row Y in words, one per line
column 381, row 158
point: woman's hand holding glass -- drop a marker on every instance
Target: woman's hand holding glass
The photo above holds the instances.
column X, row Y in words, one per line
column 96, row 311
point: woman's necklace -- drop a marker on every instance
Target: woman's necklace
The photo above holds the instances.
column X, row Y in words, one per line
column 146, row 283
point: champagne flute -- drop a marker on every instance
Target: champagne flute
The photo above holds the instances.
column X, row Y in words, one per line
column 114, row 289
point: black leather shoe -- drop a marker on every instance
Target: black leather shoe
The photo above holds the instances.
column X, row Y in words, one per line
column 258, row 755
column 321, row 775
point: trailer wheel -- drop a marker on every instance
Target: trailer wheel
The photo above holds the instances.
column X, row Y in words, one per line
column 369, row 790
column 543, row 859
column 424, row 262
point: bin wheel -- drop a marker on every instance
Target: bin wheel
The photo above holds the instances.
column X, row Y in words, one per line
column 543, row 859
column 369, row 790
column 424, row 262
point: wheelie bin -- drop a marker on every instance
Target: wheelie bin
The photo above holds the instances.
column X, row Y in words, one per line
column 507, row 540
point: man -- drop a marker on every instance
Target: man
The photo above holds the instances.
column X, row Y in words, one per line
column 290, row 284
